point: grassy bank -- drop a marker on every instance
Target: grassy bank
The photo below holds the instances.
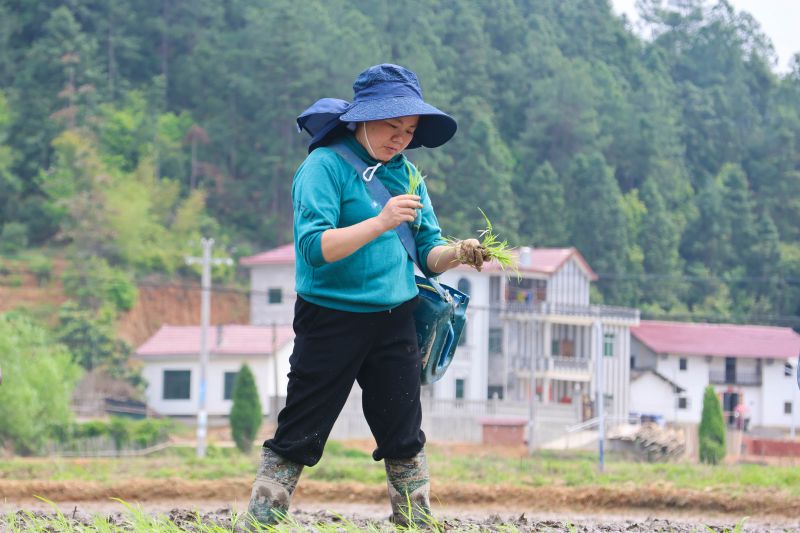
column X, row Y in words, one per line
column 342, row 463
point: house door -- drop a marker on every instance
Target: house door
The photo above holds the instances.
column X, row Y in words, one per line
column 729, row 402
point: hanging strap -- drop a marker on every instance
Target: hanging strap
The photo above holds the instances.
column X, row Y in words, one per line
column 381, row 194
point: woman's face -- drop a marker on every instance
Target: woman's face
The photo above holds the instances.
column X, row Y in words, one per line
column 384, row 139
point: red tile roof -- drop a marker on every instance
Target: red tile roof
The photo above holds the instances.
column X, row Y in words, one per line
column 718, row 340
column 542, row 260
column 282, row 255
column 235, row 340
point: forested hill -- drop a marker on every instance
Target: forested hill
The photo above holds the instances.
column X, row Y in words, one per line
column 127, row 129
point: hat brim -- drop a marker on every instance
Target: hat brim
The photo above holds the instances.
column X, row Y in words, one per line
column 434, row 129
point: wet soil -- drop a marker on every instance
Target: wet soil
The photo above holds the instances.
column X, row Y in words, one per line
column 372, row 517
column 458, row 507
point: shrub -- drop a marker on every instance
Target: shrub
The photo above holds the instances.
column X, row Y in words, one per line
column 89, row 335
column 119, row 430
column 41, row 267
column 712, row 429
column 150, row 431
column 94, row 282
column 246, row 413
column 13, row 238
column 38, row 380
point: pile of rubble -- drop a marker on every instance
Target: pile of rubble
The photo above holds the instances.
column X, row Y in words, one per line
column 649, row 442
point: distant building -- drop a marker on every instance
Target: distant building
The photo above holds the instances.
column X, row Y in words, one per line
column 171, row 359
column 544, row 316
column 751, row 367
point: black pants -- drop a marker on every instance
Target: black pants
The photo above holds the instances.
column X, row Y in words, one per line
column 332, row 350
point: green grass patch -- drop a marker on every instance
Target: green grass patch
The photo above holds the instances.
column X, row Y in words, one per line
column 342, row 463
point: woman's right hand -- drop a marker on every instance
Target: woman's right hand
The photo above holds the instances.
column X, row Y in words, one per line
column 399, row 209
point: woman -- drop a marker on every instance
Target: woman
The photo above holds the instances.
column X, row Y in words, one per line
column 356, row 290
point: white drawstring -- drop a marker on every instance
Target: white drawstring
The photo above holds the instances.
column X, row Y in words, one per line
column 369, row 172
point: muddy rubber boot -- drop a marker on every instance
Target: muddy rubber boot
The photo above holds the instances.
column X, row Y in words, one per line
column 409, row 490
column 273, row 488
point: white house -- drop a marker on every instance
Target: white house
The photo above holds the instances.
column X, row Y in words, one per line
column 540, row 328
column 748, row 366
column 544, row 316
column 171, row 359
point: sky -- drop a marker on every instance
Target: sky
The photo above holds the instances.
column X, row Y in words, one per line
column 780, row 20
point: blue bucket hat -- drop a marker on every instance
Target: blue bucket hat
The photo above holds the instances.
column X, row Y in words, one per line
column 380, row 92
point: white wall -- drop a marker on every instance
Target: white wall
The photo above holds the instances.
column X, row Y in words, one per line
column 643, row 356
column 569, row 285
column 262, row 368
column 616, row 370
column 263, row 278
column 694, row 380
column 778, row 389
column 652, row 395
column 471, row 361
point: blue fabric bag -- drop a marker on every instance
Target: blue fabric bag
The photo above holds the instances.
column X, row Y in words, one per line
column 440, row 315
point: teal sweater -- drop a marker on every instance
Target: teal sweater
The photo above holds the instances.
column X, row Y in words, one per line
column 328, row 193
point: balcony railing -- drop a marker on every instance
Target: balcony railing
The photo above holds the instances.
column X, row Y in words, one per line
column 627, row 314
column 720, row 377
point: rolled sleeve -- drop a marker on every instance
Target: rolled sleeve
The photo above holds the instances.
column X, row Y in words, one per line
column 429, row 235
column 316, row 199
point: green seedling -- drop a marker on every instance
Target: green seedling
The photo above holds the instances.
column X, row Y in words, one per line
column 496, row 249
column 415, row 178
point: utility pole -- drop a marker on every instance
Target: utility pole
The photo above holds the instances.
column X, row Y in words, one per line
column 532, row 393
column 601, row 419
column 205, row 311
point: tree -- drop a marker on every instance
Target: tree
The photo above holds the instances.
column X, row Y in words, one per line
column 88, row 334
column 659, row 239
column 38, row 380
column 600, row 228
column 542, row 221
column 246, row 413
column 712, row 429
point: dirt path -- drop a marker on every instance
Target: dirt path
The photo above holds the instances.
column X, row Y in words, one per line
column 540, row 499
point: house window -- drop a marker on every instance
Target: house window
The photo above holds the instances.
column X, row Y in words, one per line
column 230, row 380
column 459, row 389
column 730, row 370
column 526, row 291
column 563, row 347
column 177, row 384
column 787, row 408
column 495, row 391
column 495, row 340
column 608, row 345
column 633, row 362
column 567, row 348
column 682, row 363
column 683, row 402
column 274, row 295
column 787, row 370
column 464, row 286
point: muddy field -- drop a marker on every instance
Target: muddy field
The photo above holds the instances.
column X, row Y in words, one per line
column 457, row 508
column 318, row 516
